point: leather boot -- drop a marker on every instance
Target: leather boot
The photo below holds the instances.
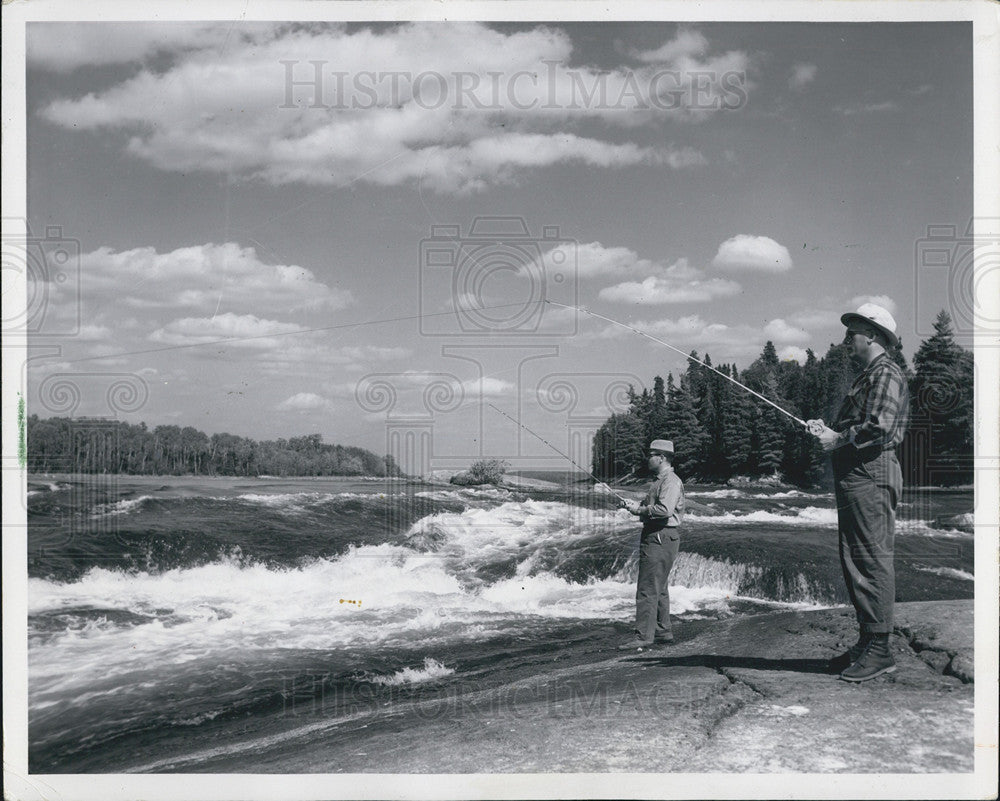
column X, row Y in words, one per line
column 875, row 660
column 851, row 655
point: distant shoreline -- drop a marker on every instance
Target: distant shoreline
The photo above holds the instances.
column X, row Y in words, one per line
column 511, row 481
column 166, row 476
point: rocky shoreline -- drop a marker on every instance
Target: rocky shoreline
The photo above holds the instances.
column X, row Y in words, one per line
column 749, row 694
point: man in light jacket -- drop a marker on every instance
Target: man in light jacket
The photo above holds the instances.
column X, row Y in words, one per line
column 661, row 513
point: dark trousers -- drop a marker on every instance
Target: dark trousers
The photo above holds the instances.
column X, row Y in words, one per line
column 868, row 489
column 657, row 551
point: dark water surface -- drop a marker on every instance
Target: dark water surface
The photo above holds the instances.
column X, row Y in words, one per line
column 175, row 620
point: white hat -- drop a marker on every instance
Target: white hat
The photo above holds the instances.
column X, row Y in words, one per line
column 662, row 446
column 875, row 315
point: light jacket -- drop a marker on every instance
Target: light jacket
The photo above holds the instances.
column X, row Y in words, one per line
column 663, row 506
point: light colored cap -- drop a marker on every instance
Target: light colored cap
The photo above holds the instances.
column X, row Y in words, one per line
column 662, row 445
column 875, row 315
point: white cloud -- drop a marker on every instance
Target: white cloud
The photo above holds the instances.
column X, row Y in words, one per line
column 648, row 281
column 246, row 331
column 594, row 259
column 687, row 43
column 802, row 75
column 487, row 386
column 204, row 277
column 656, row 290
column 256, row 108
column 880, row 300
column 779, row 331
column 689, row 331
column 815, row 318
column 93, row 332
column 793, row 353
column 760, row 253
column 866, row 108
column 63, row 46
column 304, row 401
column 308, row 355
column 374, row 353
column 724, row 342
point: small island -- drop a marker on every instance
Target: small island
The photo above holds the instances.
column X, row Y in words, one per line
column 485, row 471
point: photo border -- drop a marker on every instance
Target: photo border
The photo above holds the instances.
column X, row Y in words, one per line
column 20, row 785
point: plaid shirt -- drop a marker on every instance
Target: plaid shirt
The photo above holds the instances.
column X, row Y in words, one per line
column 876, row 410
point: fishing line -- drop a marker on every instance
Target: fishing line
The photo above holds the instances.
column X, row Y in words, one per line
column 553, row 447
column 685, row 355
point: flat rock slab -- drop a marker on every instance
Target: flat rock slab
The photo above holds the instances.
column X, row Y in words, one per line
column 752, row 694
column 918, row 719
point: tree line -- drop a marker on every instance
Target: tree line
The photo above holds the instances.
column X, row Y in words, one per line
column 82, row 445
column 720, row 431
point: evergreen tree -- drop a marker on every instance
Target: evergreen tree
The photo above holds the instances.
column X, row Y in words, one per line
column 704, row 383
column 770, row 427
column 808, row 461
column 657, row 419
column 839, row 371
column 619, row 446
column 942, row 403
column 719, row 430
column 735, row 426
column 84, row 445
column 688, row 435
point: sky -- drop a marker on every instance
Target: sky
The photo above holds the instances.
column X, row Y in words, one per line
column 280, row 229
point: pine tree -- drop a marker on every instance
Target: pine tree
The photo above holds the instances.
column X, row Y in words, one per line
column 657, row 418
column 735, row 425
column 838, row 374
column 688, row 435
column 705, row 383
column 769, row 426
column 942, row 402
column 809, row 459
column 630, row 445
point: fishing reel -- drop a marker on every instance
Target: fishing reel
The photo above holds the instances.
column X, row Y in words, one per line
column 816, row 427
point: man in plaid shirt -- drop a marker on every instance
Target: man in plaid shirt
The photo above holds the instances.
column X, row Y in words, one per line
column 868, row 483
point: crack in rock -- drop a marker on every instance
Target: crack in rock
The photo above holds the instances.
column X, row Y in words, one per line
column 961, row 668
column 944, row 661
column 734, row 679
column 736, row 696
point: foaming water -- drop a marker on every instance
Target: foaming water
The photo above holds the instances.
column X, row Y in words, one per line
column 749, row 581
column 431, row 671
column 812, row 515
column 722, row 493
column 948, row 572
column 178, row 607
column 122, row 507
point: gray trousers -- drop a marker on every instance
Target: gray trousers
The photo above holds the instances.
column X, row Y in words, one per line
column 657, row 552
column 867, row 495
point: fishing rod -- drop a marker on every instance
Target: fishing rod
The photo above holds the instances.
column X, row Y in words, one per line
column 553, row 447
column 682, row 353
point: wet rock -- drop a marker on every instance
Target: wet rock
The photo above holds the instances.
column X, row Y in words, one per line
column 962, row 667
column 936, row 659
